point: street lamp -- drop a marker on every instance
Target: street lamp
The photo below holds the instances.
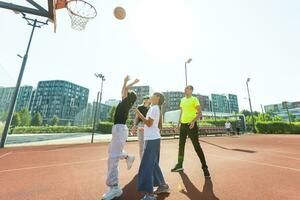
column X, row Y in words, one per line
column 35, row 24
column 253, row 123
column 185, row 66
column 285, row 105
column 101, row 76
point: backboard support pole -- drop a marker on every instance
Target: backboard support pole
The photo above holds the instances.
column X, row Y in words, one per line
column 34, row 23
column 40, row 11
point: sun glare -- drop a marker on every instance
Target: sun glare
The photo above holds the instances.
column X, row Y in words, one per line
column 163, row 27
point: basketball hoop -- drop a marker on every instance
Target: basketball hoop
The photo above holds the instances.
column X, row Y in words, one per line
column 80, row 13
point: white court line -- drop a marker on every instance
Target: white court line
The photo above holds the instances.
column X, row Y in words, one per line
column 53, row 165
column 281, row 152
column 286, row 157
column 6, row 154
column 257, row 163
column 56, row 149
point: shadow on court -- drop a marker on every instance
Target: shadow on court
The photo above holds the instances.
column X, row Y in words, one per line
column 130, row 191
column 193, row 193
column 221, row 147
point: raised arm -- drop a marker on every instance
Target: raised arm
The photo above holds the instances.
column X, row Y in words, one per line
column 127, row 86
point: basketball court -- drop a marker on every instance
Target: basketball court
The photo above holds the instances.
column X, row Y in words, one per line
column 246, row 167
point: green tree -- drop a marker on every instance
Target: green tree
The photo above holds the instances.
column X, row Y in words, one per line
column 112, row 114
column 255, row 113
column 54, row 120
column 25, row 117
column 37, row 120
column 16, row 120
column 292, row 117
column 246, row 112
column 3, row 116
column 264, row 117
column 277, row 118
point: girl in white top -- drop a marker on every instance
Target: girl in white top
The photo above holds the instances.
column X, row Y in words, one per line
column 150, row 174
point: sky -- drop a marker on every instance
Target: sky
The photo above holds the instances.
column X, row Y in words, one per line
column 228, row 41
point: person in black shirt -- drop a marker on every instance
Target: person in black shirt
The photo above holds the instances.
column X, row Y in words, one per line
column 139, row 125
column 119, row 136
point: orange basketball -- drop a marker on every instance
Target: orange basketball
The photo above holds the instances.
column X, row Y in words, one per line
column 120, row 13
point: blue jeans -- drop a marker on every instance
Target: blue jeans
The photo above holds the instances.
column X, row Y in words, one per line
column 150, row 174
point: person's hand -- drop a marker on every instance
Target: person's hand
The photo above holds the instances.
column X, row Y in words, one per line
column 136, row 81
column 127, row 78
column 192, row 125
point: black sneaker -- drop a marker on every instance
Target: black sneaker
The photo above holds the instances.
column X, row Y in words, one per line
column 206, row 173
column 177, row 168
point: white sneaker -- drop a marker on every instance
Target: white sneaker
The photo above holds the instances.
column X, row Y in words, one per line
column 129, row 161
column 112, row 193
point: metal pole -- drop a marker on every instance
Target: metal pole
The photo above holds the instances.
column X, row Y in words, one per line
column 15, row 95
column 262, row 109
column 185, row 73
column 253, row 123
column 95, row 118
column 287, row 111
column 102, row 80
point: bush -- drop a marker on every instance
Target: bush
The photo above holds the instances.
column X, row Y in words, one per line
column 50, row 129
column 1, row 127
column 278, row 127
column 37, row 120
column 104, row 127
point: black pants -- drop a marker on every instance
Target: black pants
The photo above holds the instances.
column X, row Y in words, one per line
column 193, row 134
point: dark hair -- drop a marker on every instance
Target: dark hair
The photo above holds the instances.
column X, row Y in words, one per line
column 131, row 97
column 160, row 103
column 191, row 87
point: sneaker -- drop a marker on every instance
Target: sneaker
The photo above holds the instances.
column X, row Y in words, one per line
column 129, row 161
column 162, row 189
column 112, row 193
column 206, row 173
column 148, row 197
column 177, row 168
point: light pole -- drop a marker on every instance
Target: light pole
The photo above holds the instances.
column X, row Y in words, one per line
column 252, row 117
column 262, row 109
column 34, row 23
column 285, row 105
column 185, row 67
column 99, row 95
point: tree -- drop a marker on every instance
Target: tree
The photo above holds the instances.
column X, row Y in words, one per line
column 277, row 118
column 16, row 120
column 255, row 113
column 25, row 117
column 292, row 117
column 54, row 120
column 37, row 120
column 3, row 116
column 246, row 112
column 264, row 117
column 112, row 114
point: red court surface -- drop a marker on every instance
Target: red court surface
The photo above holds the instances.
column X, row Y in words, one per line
column 250, row 167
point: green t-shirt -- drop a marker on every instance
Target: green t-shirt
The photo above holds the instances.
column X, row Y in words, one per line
column 189, row 110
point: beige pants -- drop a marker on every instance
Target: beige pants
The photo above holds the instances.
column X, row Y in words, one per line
column 115, row 153
column 140, row 134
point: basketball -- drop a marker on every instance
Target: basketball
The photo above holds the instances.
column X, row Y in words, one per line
column 120, row 13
